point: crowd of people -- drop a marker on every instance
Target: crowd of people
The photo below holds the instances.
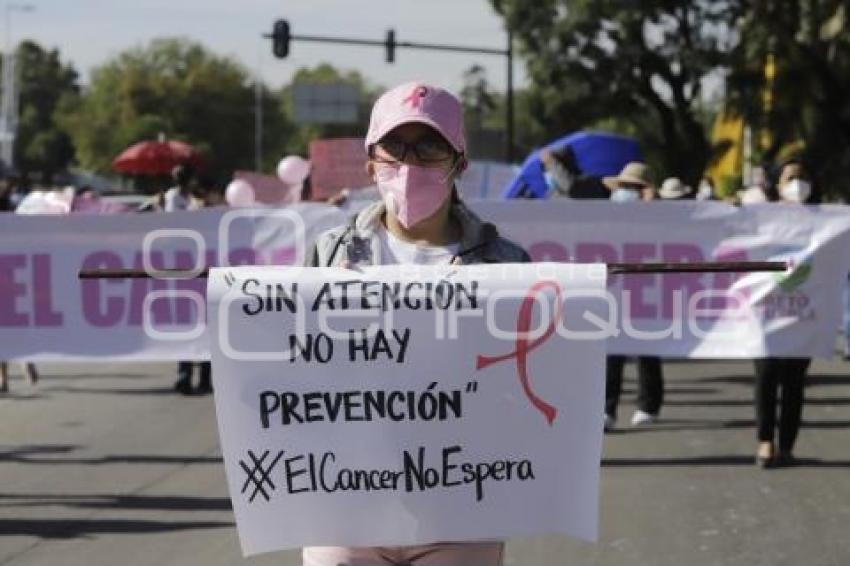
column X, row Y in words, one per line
column 779, row 381
column 416, row 150
column 791, row 183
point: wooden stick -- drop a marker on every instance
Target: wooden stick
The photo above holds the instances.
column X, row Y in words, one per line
column 613, row 269
column 697, row 267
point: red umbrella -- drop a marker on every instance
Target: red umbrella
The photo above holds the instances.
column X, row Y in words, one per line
column 155, row 157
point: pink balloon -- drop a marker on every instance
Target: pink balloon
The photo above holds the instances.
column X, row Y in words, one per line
column 292, row 170
column 239, row 194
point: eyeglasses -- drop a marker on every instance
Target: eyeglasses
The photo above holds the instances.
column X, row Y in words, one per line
column 426, row 150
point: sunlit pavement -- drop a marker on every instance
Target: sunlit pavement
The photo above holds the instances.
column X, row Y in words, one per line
column 105, row 465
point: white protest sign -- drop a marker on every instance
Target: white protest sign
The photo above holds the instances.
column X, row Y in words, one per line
column 48, row 314
column 401, row 405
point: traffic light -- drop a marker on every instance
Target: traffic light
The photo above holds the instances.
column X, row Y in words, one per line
column 390, row 45
column 280, row 39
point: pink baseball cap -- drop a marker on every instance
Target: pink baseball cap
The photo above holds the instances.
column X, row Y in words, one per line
column 422, row 103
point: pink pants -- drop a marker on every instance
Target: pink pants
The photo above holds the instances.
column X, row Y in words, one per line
column 439, row 554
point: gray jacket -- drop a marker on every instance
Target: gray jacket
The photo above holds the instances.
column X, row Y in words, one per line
column 357, row 242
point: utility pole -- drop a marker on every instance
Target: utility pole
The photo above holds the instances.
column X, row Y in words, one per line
column 9, row 101
column 509, row 103
column 258, row 116
column 282, row 35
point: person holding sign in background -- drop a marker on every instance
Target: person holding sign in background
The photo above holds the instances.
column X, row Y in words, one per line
column 794, row 186
column 179, row 197
column 634, row 183
column 417, row 149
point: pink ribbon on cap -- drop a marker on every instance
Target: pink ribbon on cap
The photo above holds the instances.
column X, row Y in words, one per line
column 415, row 97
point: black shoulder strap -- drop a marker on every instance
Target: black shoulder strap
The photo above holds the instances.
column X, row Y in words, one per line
column 352, row 223
column 488, row 235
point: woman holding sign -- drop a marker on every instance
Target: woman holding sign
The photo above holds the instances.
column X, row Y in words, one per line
column 782, row 379
column 417, row 149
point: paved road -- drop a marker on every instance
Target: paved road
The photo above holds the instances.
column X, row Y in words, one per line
column 104, row 465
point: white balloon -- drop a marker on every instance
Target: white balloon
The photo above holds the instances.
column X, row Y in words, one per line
column 46, row 202
column 239, row 194
column 292, row 170
column 753, row 195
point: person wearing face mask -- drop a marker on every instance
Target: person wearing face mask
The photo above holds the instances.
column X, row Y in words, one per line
column 705, row 189
column 634, row 183
column 417, row 149
column 781, row 380
column 674, row 189
column 794, row 184
column 559, row 169
column 566, row 179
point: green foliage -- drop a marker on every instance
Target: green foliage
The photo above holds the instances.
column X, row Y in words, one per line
column 640, row 65
column 485, row 131
column 45, row 83
column 485, row 111
column 478, row 100
column 809, row 42
column 729, row 185
column 179, row 89
column 637, row 68
column 172, row 87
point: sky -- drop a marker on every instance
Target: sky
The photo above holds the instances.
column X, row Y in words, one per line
column 90, row 32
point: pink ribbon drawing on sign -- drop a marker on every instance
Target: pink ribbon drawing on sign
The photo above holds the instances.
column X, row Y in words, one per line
column 524, row 346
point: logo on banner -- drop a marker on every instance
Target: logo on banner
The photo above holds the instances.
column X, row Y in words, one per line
column 797, row 276
column 790, row 301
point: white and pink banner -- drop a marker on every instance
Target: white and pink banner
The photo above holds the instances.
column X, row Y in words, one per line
column 710, row 315
column 46, row 313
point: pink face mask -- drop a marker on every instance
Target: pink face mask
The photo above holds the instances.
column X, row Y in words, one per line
column 411, row 192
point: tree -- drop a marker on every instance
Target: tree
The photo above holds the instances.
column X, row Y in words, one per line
column 486, row 117
column 638, row 64
column 790, row 79
column 485, row 131
column 173, row 87
column 45, row 82
column 478, row 100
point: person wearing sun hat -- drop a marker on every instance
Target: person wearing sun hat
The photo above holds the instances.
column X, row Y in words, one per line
column 674, row 189
column 634, row 182
column 416, row 149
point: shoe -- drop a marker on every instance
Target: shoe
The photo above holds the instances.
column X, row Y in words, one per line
column 641, row 418
column 610, row 421
column 204, row 389
column 32, row 373
column 183, row 386
column 784, row 459
column 765, row 457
